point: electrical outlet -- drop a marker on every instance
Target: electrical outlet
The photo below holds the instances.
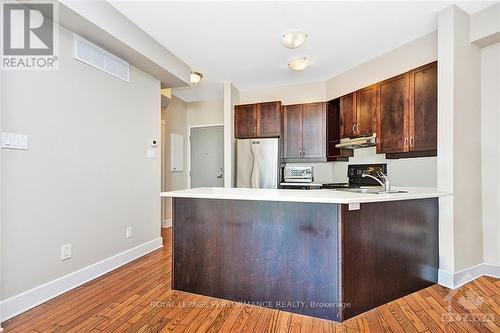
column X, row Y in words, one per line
column 65, row 251
column 128, row 232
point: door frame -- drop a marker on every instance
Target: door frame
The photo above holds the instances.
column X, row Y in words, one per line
column 188, row 153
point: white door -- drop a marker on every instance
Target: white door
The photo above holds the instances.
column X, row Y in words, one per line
column 207, row 156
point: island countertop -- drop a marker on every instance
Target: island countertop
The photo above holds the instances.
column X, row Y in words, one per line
column 315, row 196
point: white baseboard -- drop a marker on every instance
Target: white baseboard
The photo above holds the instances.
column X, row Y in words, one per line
column 446, row 279
column 166, row 223
column 26, row 300
column 458, row 279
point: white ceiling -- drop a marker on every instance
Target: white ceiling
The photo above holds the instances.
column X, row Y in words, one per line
column 239, row 42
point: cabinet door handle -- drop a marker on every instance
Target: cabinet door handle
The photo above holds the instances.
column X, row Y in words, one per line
column 255, row 129
column 406, row 142
column 357, row 128
column 353, row 128
column 412, row 141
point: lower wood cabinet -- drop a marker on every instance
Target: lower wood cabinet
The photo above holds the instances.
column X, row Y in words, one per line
column 304, row 132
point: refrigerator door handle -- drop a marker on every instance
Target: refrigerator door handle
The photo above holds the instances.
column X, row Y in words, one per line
column 253, row 181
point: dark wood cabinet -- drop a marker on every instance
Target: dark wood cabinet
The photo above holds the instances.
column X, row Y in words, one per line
column 402, row 111
column 393, row 115
column 245, row 121
column 260, row 120
column 314, row 130
column 358, row 112
column 423, row 108
column 407, row 125
column 348, row 115
column 366, row 110
column 304, row 132
column 333, row 130
column 269, row 119
column 292, row 131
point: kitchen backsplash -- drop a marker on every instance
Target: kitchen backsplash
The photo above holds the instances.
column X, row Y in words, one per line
column 402, row 172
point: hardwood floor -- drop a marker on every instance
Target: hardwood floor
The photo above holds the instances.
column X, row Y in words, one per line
column 137, row 298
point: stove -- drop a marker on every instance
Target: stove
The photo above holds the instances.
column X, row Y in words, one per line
column 355, row 172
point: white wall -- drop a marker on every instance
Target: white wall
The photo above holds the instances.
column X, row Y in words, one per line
column 1, row 186
column 231, row 98
column 291, row 94
column 205, row 113
column 418, row 52
column 485, row 26
column 490, row 152
column 111, row 29
column 86, row 176
column 175, row 121
column 459, row 143
column 177, row 117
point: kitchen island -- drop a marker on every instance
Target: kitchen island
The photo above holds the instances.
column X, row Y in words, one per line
column 322, row 253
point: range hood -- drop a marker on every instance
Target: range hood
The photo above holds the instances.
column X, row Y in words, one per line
column 361, row 142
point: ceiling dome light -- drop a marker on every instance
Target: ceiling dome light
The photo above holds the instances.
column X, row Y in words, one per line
column 196, row 77
column 293, row 39
column 298, row 64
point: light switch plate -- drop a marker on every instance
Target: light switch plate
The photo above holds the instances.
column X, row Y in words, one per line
column 151, row 154
column 14, row 141
column 65, row 251
column 354, row 206
column 128, row 232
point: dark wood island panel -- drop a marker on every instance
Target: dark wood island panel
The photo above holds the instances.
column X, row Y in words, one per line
column 389, row 250
column 315, row 259
column 258, row 251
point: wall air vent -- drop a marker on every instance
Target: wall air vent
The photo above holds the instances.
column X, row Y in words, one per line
column 93, row 55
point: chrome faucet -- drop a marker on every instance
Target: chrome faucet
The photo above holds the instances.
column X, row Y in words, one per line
column 383, row 180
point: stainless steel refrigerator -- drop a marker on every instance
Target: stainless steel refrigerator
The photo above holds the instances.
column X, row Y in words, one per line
column 257, row 163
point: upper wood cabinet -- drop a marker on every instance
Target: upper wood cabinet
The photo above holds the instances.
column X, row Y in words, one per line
column 245, row 121
column 348, row 115
column 423, row 108
column 366, row 110
column 314, row 130
column 292, row 131
column 408, row 114
column 260, row 120
column 392, row 135
column 304, row 132
column 358, row 112
column 333, row 133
